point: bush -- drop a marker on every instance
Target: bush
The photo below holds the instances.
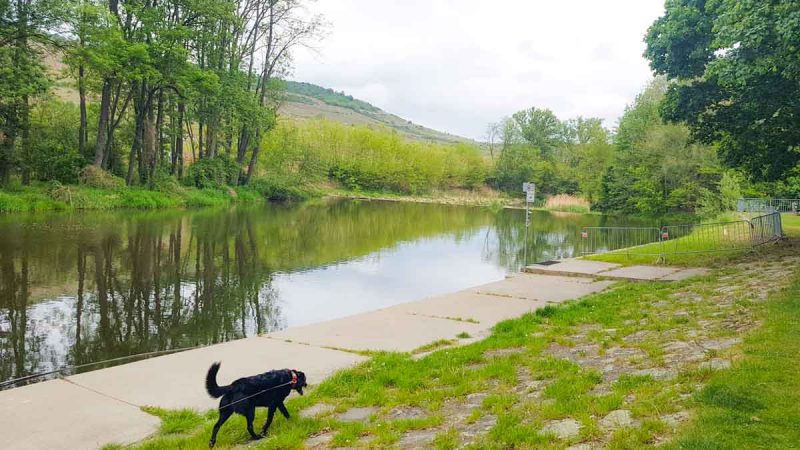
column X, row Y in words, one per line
column 53, row 152
column 212, row 173
column 56, row 163
column 164, row 182
column 281, row 189
column 96, row 177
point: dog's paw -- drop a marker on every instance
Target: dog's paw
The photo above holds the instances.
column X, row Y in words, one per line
column 211, row 444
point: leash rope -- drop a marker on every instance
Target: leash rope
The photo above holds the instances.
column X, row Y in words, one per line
column 294, row 381
column 146, row 355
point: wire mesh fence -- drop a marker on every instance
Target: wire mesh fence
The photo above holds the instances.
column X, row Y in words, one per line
column 683, row 239
column 768, row 205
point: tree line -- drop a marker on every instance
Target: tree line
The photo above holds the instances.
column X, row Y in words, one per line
column 718, row 122
column 151, row 75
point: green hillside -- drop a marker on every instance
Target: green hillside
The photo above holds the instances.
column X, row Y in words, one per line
column 309, row 101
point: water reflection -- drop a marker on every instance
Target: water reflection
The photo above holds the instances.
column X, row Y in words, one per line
column 81, row 288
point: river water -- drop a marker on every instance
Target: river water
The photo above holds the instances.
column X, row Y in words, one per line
column 80, row 288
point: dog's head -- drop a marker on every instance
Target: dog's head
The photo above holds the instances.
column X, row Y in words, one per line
column 299, row 381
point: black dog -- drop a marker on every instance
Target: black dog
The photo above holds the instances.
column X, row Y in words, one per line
column 242, row 396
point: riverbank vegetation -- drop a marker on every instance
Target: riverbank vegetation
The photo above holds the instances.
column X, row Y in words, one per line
column 164, row 101
column 360, row 158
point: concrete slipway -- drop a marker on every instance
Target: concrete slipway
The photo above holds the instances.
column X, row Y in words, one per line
column 97, row 408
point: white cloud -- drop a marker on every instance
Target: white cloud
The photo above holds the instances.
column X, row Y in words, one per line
column 458, row 65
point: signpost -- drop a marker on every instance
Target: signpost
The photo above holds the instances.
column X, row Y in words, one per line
column 530, row 197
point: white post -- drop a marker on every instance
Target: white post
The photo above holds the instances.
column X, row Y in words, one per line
column 530, row 197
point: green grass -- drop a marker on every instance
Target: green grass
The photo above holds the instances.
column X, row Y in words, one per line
column 757, row 404
column 73, row 197
column 693, row 254
column 687, row 251
column 760, row 395
column 791, row 224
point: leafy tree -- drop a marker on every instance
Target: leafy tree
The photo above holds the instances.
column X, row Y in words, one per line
column 656, row 168
column 22, row 76
column 541, row 129
column 736, row 69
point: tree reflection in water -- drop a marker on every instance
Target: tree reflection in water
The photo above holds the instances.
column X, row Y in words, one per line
column 82, row 288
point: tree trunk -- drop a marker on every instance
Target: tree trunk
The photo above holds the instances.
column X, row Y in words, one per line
column 149, row 146
column 25, row 116
column 179, row 139
column 102, row 125
column 251, row 168
column 160, row 129
column 83, row 132
column 136, row 146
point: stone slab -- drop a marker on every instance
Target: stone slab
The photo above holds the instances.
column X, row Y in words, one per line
column 378, row 330
column 466, row 305
column 57, row 414
column 546, row 288
column 573, row 268
column 178, row 380
column 686, row 274
column 641, row 273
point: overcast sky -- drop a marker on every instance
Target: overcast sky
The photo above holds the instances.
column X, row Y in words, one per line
column 457, row 65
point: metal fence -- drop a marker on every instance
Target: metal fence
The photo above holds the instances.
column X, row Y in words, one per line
column 682, row 239
column 768, row 205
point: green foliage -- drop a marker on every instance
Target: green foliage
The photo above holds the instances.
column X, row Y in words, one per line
column 53, row 146
column 361, row 158
column 737, row 74
column 280, row 189
column 55, row 196
column 212, row 173
column 657, row 169
column 27, row 202
column 561, row 157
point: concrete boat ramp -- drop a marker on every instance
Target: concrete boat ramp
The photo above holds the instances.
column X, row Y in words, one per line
column 97, row 408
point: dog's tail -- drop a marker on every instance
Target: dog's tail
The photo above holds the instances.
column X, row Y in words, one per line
column 212, row 387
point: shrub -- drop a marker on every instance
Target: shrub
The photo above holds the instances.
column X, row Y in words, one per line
column 212, row 173
column 164, row 182
column 96, row 177
column 55, row 162
column 281, row 189
column 53, row 147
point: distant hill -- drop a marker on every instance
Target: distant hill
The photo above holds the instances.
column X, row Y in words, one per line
column 309, row 101
column 302, row 101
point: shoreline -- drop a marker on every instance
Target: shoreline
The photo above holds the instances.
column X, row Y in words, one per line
column 320, row 349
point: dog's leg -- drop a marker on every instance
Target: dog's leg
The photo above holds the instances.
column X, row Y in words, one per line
column 250, row 415
column 224, row 414
column 270, row 416
column 284, row 411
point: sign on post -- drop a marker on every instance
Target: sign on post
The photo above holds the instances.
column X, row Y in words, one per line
column 530, row 196
column 530, row 192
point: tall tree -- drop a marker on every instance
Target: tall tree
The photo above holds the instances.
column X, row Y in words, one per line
column 736, row 69
column 22, row 76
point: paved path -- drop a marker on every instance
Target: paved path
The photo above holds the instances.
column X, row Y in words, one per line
column 97, row 408
column 599, row 269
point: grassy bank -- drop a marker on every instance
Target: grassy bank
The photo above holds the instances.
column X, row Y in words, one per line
column 77, row 197
column 711, row 246
column 43, row 198
column 637, row 366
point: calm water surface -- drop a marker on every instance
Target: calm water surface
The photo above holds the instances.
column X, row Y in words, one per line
column 82, row 288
